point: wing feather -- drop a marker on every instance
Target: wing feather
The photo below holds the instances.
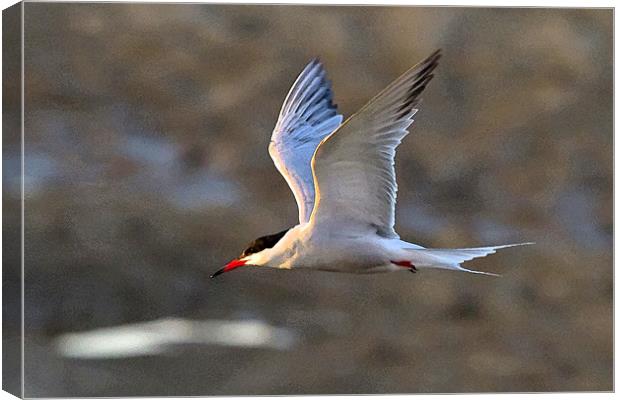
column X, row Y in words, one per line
column 307, row 116
column 353, row 168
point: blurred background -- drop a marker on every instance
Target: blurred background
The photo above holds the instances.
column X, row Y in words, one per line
column 147, row 169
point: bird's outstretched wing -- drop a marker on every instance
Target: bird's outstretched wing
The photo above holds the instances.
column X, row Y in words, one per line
column 307, row 117
column 353, row 167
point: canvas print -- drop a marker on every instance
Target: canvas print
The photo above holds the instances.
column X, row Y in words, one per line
column 211, row 199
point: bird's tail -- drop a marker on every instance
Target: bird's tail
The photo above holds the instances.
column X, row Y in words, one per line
column 452, row 258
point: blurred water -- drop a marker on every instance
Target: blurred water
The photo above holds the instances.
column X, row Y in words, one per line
column 576, row 211
column 156, row 337
column 161, row 169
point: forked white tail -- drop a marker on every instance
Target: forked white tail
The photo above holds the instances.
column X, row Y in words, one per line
column 452, row 258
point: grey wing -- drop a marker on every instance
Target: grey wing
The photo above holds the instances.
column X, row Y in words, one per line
column 307, row 117
column 354, row 166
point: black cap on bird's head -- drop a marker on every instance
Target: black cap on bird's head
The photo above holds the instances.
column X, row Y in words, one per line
column 262, row 243
column 258, row 245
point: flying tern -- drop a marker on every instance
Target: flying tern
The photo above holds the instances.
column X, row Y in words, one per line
column 343, row 179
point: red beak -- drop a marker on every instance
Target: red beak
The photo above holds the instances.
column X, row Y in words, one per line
column 229, row 267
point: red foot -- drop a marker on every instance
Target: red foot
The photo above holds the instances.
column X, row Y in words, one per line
column 406, row 264
column 402, row 263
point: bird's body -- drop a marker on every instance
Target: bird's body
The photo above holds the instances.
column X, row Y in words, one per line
column 343, row 179
column 311, row 247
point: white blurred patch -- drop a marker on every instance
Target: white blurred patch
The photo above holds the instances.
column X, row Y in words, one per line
column 156, row 337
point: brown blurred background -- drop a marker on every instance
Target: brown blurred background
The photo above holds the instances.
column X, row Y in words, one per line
column 147, row 168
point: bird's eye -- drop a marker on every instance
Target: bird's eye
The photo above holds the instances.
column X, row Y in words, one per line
column 247, row 252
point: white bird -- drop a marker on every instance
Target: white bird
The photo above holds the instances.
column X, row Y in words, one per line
column 342, row 176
